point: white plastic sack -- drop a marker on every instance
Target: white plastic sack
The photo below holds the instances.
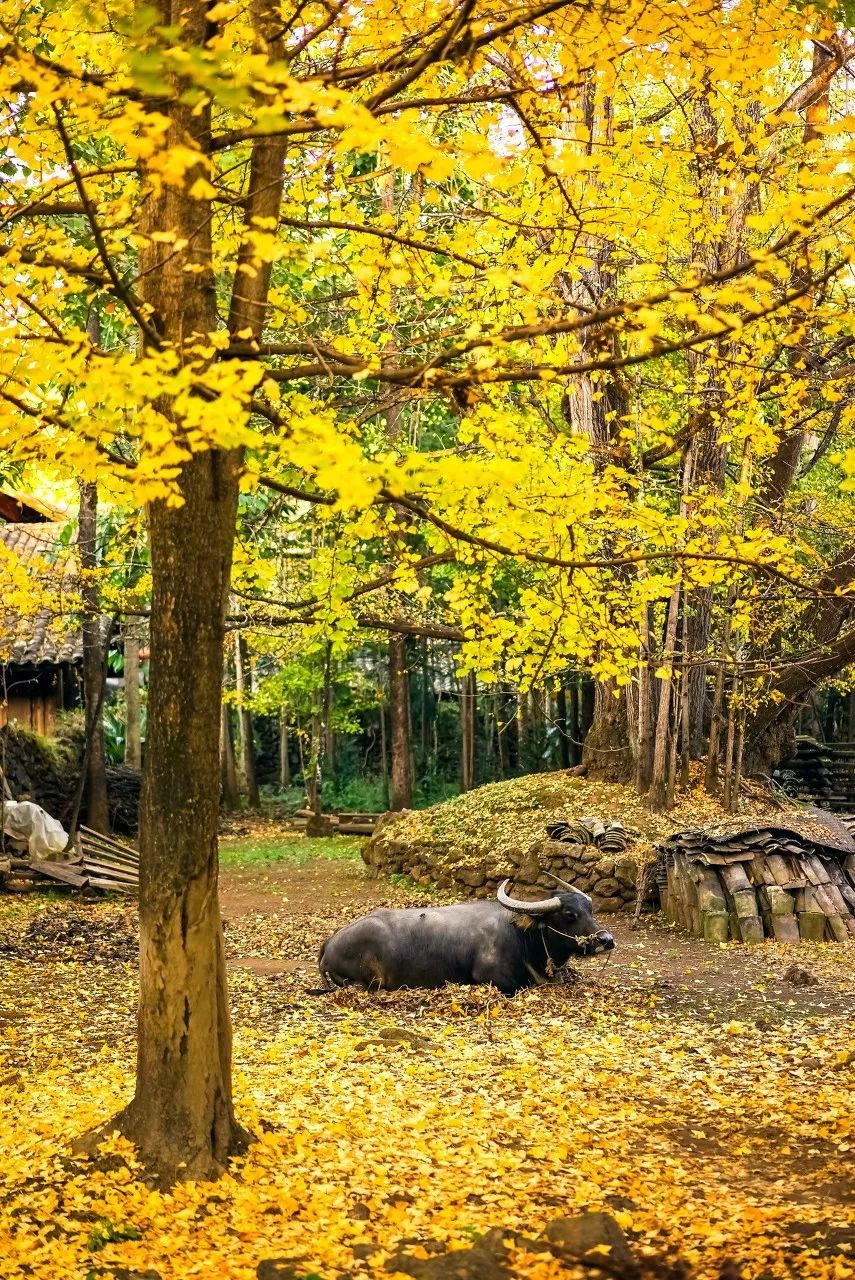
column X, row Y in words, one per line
column 28, row 824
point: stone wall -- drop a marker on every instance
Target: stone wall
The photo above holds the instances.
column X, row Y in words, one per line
column 610, row 879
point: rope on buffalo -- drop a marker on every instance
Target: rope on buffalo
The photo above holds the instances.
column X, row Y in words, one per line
column 574, row 937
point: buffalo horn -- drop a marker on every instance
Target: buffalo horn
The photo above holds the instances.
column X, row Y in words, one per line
column 538, row 908
column 558, row 880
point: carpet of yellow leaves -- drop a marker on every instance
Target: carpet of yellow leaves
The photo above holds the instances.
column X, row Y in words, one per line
column 388, row 1123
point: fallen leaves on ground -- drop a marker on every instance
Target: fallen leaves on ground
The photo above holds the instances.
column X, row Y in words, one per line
column 693, row 1093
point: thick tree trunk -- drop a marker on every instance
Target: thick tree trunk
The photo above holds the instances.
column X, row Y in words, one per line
column 399, row 720
column 228, row 768
column 94, row 673
column 133, row 732
column 181, row 1115
column 607, row 749
column 246, row 732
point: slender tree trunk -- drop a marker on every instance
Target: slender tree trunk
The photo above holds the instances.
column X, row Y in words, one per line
column 284, row 762
column 468, row 695
column 561, row 725
column 524, row 733
column 314, row 782
column 399, row 719
column 330, row 741
column 717, row 719
column 384, row 755
column 501, row 739
column 424, row 729
column 246, row 731
column 133, row 733
column 574, row 726
column 644, row 733
column 94, row 672
column 665, row 726
column 228, row 769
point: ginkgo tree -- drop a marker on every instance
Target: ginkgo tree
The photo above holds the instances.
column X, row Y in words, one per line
column 208, row 179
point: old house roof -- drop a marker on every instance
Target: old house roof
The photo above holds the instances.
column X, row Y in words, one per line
column 52, row 634
column 24, row 508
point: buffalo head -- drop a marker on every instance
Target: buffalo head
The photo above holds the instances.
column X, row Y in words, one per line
column 567, row 915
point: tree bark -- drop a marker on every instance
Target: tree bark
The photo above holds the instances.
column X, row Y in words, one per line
column 561, row 725
column 246, row 732
column 384, row 754
column 399, row 722
column 468, row 695
column 666, row 727
column 501, row 740
column 574, row 725
column 607, row 749
column 284, row 762
column 181, row 1116
column 133, row 732
column 94, row 672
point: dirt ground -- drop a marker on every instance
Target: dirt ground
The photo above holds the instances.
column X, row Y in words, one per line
column 277, row 916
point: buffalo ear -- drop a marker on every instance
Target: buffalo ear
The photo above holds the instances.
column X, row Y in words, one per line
column 523, row 921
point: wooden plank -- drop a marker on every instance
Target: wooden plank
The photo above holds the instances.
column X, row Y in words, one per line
column 92, row 851
column 125, row 852
column 128, row 877
column 59, row 871
column 114, row 886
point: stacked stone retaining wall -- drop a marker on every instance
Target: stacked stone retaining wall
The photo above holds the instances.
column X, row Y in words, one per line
column 610, row 879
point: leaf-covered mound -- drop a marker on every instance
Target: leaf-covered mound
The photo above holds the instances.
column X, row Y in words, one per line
column 475, row 840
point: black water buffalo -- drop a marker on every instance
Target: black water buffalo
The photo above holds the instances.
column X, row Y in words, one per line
column 508, row 942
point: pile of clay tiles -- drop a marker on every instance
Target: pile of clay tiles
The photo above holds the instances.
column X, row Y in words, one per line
column 611, row 837
column 819, row 773
column 788, row 875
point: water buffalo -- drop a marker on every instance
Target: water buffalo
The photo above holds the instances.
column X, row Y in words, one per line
column 506, row 941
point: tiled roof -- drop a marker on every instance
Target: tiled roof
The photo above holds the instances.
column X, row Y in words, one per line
column 46, row 637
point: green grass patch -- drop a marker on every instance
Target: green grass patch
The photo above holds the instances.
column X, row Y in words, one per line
column 253, row 851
